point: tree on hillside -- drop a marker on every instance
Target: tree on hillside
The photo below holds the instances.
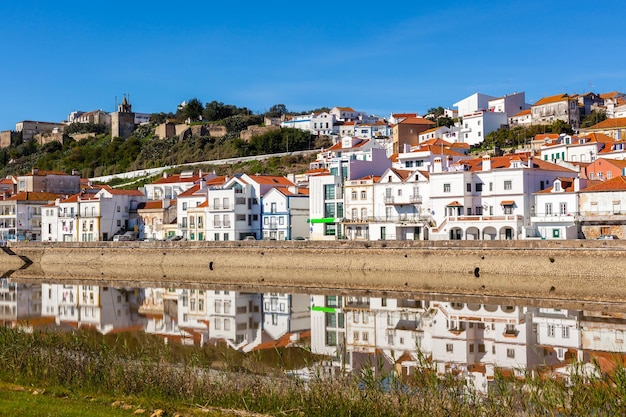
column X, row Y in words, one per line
column 435, row 112
column 593, row 118
column 192, row 110
column 277, row 110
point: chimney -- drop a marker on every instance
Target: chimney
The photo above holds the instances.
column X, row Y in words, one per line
column 486, row 163
column 164, row 174
column 437, row 165
column 35, row 171
column 531, row 162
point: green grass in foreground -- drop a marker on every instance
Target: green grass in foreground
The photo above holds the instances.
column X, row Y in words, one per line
column 17, row 400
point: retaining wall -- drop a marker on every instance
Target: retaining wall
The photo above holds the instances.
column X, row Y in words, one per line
column 586, row 270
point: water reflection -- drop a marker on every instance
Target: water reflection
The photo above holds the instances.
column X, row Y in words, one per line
column 463, row 337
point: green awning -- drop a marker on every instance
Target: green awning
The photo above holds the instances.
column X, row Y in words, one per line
column 323, row 309
column 322, row 220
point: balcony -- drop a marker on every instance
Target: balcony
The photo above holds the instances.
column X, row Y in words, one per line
column 412, row 199
column 220, row 207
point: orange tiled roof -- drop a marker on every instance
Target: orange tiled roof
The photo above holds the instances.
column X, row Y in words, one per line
column 34, row 196
column 43, row 173
column 552, row 99
column 190, row 191
column 399, row 115
column 271, row 180
column 115, row 191
column 616, row 123
column 614, row 184
column 416, row 121
column 523, row 113
column 337, row 146
column 176, row 178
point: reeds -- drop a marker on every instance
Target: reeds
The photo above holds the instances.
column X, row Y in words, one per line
column 79, row 361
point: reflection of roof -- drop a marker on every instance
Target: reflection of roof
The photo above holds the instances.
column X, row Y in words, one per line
column 455, row 204
column 507, row 203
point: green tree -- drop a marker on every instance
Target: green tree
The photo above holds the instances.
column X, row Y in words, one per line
column 595, row 117
column 192, row 110
column 277, row 110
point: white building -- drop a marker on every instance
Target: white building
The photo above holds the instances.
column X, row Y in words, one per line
column 488, row 198
column 20, row 215
column 477, row 125
column 92, row 215
column 554, row 214
column 285, row 213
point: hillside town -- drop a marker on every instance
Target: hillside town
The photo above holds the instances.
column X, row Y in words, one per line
column 403, row 177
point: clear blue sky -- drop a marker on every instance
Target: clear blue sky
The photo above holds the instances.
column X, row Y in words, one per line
column 61, row 56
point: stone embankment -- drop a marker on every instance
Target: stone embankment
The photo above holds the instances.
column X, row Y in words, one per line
column 560, row 270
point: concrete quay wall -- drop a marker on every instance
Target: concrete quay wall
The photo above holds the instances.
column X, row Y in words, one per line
column 585, row 270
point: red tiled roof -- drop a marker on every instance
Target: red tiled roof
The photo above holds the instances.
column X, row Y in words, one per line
column 507, row 203
column 271, row 180
column 190, row 191
column 338, row 146
column 455, row 204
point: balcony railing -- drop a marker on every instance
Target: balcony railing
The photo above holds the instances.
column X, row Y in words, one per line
column 409, row 218
column 412, row 199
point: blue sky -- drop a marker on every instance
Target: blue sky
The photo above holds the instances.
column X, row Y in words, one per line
column 377, row 57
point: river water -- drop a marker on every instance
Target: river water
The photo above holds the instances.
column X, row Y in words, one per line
column 469, row 337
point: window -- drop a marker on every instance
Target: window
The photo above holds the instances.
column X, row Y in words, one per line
column 354, row 194
column 471, row 348
column 508, row 209
column 281, row 220
column 479, row 210
column 479, row 187
column 356, row 336
column 548, row 209
column 273, row 208
column 184, row 206
column 449, row 347
column 446, row 188
column 550, row 330
column 510, row 353
column 468, row 187
column 563, row 209
column 556, row 233
column 363, row 195
column 490, row 186
column 565, row 332
column 481, row 348
column 366, row 336
column 329, row 191
column 508, row 185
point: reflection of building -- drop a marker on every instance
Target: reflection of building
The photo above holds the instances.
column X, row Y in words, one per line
column 19, row 303
column 105, row 309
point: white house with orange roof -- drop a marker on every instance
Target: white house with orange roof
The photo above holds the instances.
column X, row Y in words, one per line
column 522, row 118
column 562, row 107
column 433, row 133
column 57, row 182
column 285, row 213
column 488, row 198
column 285, row 313
column 554, row 216
column 422, row 157
column 347, row 114
column 317, row 123
column 602, row 208
column 92, row 215
column 559, row 331
column 154, row 215
column 190, row 206
column 401, row 206
column 358, row 207
column 21, row 215
column 171, row 185
column 575, row 148
column 615, row 128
